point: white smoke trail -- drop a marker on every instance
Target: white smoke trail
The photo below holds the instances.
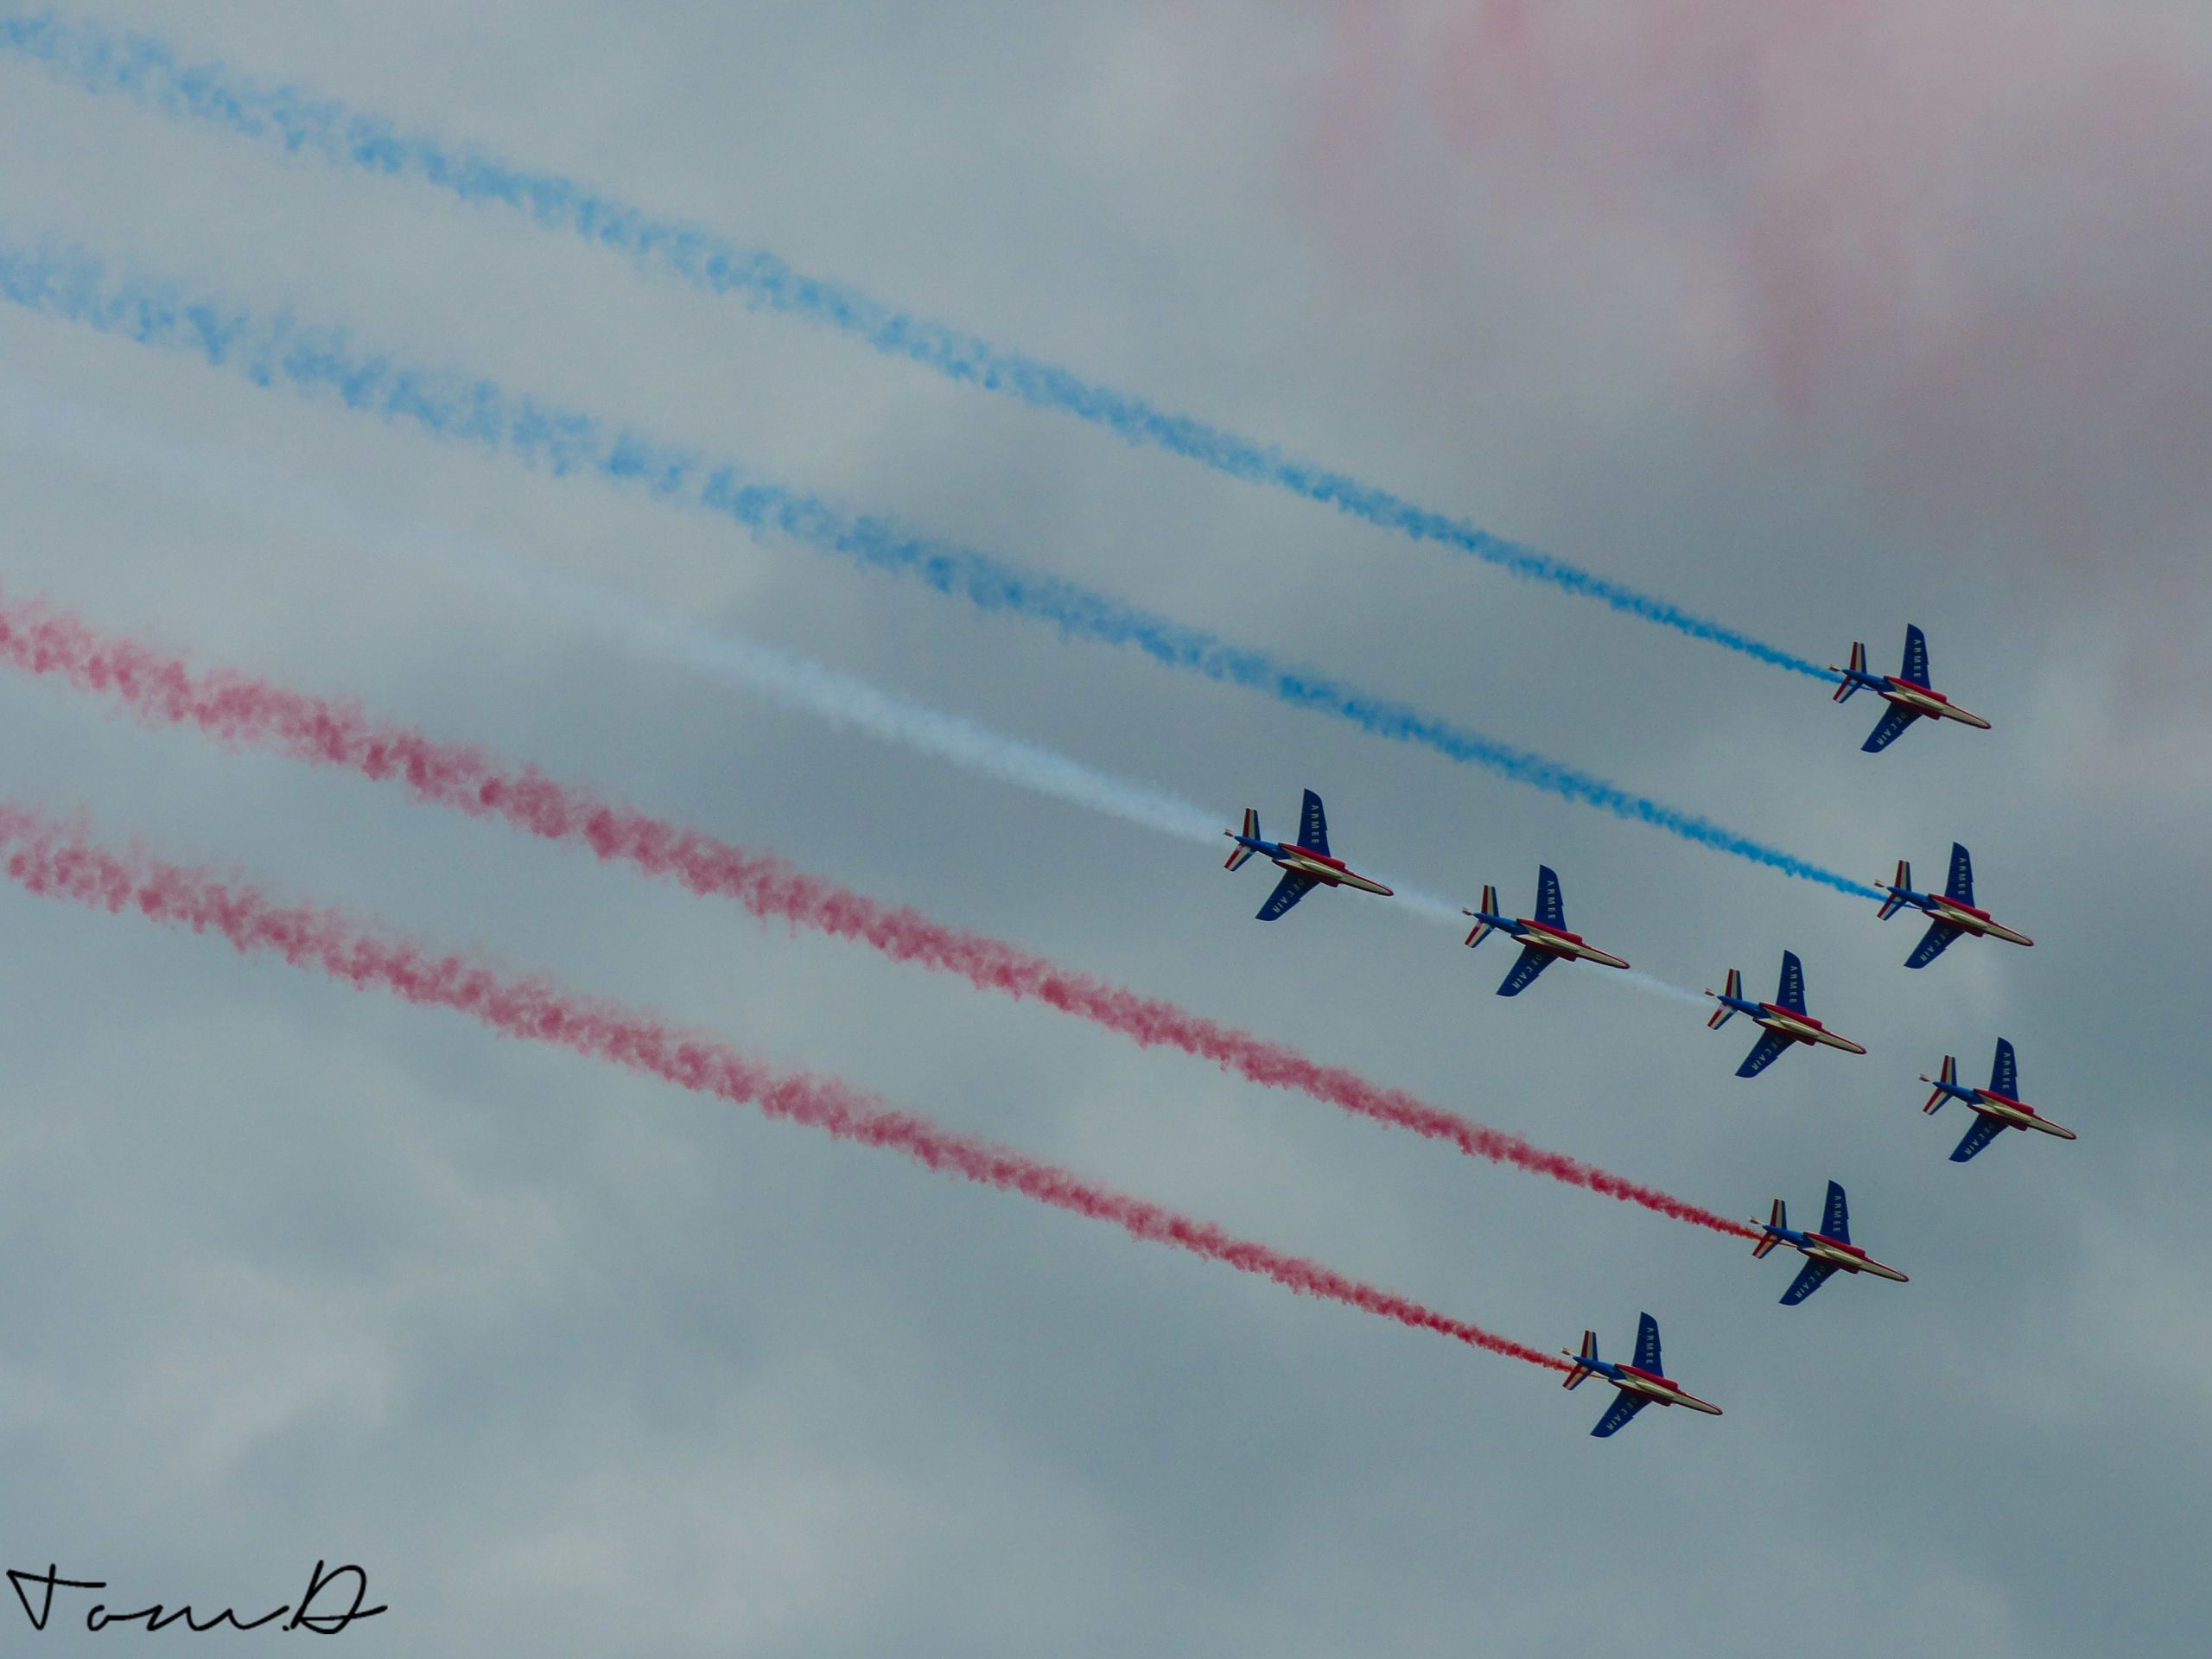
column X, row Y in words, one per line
column 782, row 677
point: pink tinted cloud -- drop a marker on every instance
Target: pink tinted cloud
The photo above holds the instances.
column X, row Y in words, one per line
column 1967, row 237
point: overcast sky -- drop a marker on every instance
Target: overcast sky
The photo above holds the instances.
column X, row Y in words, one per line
column 1894, row 315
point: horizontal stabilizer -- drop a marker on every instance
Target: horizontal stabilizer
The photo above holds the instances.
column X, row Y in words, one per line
column 1722, row 1014
column 1944, row 1080
column 1779, row 1218
column 1488, row 907
column 1251, row 832
column 1858, row 666
column 1581, row 1372
column 1903, row 884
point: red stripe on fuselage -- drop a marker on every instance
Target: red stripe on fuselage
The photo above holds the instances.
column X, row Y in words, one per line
column 1556, row 932
column 1318, row 858
column 1835, row 1243
column 1899, row 681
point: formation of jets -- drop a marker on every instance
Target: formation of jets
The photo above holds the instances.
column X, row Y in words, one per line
column 1784, row 1023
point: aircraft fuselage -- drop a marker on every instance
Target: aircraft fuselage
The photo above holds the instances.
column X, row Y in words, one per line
column 1572, row 947
column 1559, row 943
column 1921, row 700
column 1300, row 861
column 1799, row 1028
column 1660, row 1390
column 1836, row 1253
column 2015, row 1114
column 1965, row 918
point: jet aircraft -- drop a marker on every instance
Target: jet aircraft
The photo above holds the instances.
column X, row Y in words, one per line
column 1639, row 1384
column 1785, row 1018
column 1826, row 1252
column 1543, row 941
column 1997, row 1107
column 1304, row 863
column 1908, row 694
column 1953, row 910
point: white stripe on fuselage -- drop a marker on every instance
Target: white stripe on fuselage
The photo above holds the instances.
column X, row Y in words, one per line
column 1304, row 864
column 1803, row 1030
column 1926, row 703
column 1952, row 914
column 1561, row 945
column 1850, row 1261
column 1665, row 1394
column 2020, row 1115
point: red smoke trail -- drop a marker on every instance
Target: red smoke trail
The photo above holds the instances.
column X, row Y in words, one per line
column 242, row 709
column 54, row 860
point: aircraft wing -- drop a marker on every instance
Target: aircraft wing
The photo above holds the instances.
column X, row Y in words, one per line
column 1625, row 1406
column 1931, row 945
column 1763, row 1054
column 1524, row 974
column 1792, row 993
column 1551, row 908
column 1916, row 656
column 1835, row 1221
column 1889, row 728
column 1313, row 826
column 1288, row 891
column 1811, row 1278
column 2004, row 1076
column 1647, row 1345
column 1961, row 886
column 1984, row 1130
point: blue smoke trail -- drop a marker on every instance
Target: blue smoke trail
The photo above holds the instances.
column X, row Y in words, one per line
column 147, row 70
column 789, row 681
column 321, row 363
